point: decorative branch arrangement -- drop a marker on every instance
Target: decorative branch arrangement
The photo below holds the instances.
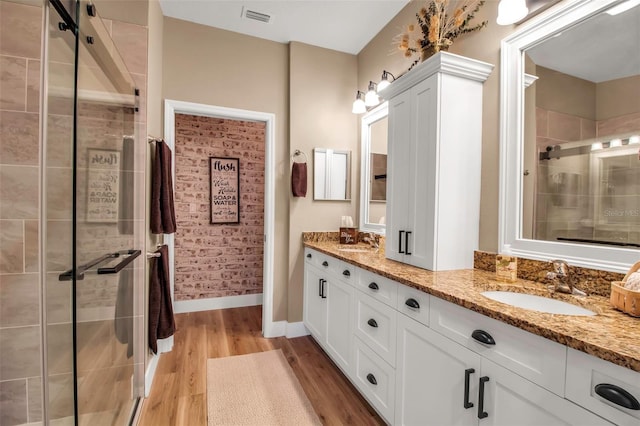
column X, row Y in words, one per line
column 440, row 22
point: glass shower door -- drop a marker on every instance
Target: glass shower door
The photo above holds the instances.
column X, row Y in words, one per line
column 107, row 232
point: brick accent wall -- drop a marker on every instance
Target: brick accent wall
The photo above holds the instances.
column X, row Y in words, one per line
column 215, row 260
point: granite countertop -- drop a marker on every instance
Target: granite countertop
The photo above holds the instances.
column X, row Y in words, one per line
column 610, row 335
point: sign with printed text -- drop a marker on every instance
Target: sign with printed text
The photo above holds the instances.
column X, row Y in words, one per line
column 225, row 189
column 103, row 185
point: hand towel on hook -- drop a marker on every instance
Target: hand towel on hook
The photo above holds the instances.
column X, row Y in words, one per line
column 299, row 177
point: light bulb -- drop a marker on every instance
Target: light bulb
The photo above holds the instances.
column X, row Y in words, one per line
column 371, row 98
column 634, row 139
column 511, row 11
column 596, row 146
column 359, row 107
column 616, row 143
column 383, row 84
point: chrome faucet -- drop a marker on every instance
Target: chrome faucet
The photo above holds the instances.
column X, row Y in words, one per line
column 562, row 280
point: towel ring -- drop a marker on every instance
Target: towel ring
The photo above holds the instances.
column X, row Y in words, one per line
column 297, row 153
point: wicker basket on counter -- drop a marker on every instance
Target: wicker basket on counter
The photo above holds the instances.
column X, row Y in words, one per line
column 624, row 299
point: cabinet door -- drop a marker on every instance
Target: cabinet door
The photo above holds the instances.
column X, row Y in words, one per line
column 398, row 174
column 339, row 329
column 315, row 306
column 512, row 400
column 430, row 378
column 422, row 217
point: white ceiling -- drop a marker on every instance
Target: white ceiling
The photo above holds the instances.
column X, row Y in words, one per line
column 343, row 25
column 601, row 48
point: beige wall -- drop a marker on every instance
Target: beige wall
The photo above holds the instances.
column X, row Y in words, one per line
column 131, row 11
column 484, row 46
column 216, row 67
column 321, row 88
column 154, row 127
column 618, row 97
column 578, row 95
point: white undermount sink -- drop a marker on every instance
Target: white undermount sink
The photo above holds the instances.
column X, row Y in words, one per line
column 537, row 303
column 354, row 250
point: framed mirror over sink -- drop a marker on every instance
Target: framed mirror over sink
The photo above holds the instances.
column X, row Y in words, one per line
column 373, row 170
column 570, row 136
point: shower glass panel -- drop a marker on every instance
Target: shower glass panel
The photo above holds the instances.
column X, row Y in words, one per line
column 58, row 220
column 106, row 231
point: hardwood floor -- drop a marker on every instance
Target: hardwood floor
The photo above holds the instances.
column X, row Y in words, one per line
column 178, row 395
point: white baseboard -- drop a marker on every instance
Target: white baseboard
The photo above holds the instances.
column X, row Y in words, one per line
column 275, row 329
column 296, row 329
column 183, row 306
column 288, row 329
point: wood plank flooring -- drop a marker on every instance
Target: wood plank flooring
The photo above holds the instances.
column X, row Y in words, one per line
column 178, row 395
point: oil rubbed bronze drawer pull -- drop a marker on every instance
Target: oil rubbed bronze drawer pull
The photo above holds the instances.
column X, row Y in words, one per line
column 372, row 379
column 483, row 337
column 412, row 303
column 617, row 395
column 374, row 286
column 373, row 323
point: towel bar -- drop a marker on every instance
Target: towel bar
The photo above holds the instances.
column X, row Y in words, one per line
column 151, row 255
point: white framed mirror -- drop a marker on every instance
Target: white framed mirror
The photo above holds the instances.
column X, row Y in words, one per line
column 331, row 174
column 568, row 186
column 373, row 170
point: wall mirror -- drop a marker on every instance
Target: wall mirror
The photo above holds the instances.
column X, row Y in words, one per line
column 331, row 174
column 570, row 136
column 373, row 170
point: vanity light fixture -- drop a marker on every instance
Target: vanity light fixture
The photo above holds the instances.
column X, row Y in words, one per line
column 511, row 11
column 615, row 143
column 358, row 105
column 634, row 139
column 622, row 7
column 384, row 81
column 371, row 98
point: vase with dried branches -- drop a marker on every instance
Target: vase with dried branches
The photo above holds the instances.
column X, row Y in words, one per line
column 440, row 22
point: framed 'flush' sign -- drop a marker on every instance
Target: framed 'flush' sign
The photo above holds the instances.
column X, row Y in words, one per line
column 103, row 185
column 225, row 189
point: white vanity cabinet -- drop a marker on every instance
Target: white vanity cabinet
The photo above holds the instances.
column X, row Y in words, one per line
column 328, row 305
column 420, row 360
column 433, row 168
column 441, row 382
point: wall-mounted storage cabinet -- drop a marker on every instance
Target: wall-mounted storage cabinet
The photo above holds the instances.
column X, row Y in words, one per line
column 433, row 169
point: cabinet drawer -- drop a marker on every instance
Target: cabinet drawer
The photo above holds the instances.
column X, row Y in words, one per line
column 380, row 288
column 586, row 372
column 312, row 257
column 532, row 357
column 375, row 379
column 413, row 303
column 375, row 324
column 328, row 264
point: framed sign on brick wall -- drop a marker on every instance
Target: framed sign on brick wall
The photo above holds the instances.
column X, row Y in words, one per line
column 225, row 189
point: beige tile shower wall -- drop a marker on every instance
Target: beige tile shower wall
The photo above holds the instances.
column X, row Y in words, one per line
column 217, row 260
column 20, row 29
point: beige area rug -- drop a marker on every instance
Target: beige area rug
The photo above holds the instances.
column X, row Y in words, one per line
column 256, row 389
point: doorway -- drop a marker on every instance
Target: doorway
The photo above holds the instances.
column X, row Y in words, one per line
column 172, row 108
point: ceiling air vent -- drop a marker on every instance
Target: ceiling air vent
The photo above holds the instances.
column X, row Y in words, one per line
column 256, row 16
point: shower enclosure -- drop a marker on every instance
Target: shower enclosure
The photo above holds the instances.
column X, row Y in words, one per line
column 73, row 353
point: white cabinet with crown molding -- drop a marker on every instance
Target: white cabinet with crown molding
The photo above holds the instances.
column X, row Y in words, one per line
column 433, row 170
